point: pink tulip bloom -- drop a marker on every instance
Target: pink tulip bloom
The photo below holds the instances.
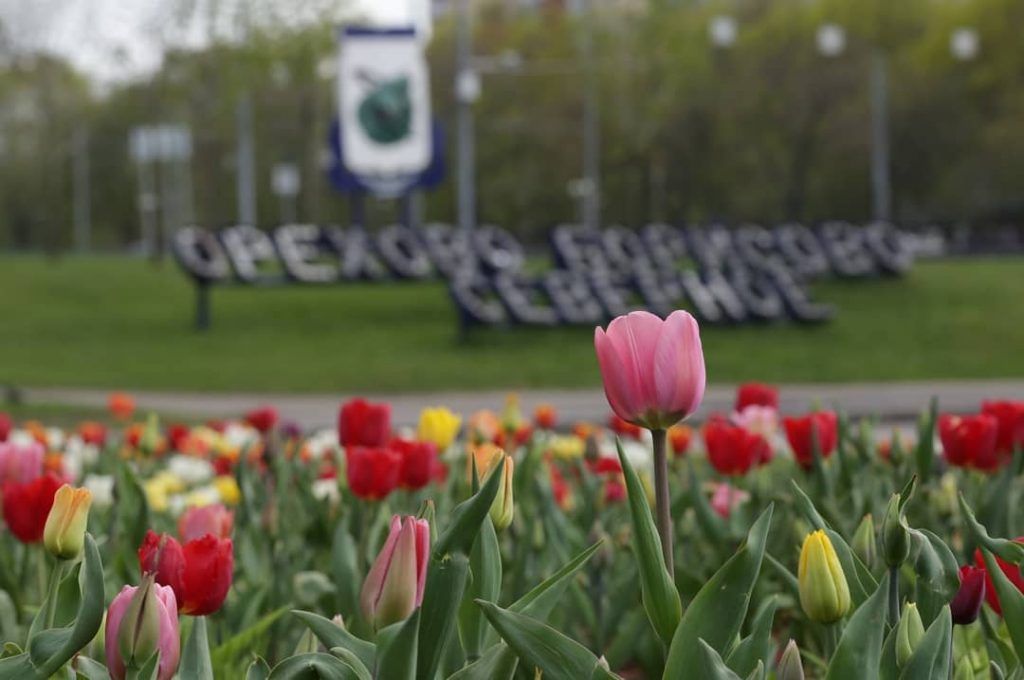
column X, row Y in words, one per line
column 208, row 519
column 21, row 463
column 762, row 420
column 653, row 370
column 394, row 587
column 726, row 498
column 169, row 642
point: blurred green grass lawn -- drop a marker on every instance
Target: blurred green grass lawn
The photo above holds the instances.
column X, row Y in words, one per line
column 112, row 322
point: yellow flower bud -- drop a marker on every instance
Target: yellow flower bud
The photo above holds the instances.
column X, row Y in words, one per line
column 824, row 593
column 503, row 508
column 64, row 533
column 439, row 426
column 228, row 489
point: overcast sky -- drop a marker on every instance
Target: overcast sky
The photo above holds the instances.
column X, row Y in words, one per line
column 118, row 39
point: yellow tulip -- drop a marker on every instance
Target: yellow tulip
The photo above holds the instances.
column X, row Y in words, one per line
column 64, row 534
column 824, row 592
column 228, row 489
column 439, row 426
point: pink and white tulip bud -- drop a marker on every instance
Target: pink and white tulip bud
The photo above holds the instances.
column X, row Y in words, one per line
column 394, row 587
column 653, row 370
column 140, row 621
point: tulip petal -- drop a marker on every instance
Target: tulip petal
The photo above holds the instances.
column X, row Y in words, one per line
column 619, row 379
column 370, row 593
column 678, row 364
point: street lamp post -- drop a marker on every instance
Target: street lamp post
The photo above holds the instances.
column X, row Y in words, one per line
column 467, row 90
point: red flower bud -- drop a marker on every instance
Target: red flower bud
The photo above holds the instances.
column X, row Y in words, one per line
column 1010, row 417
column 263, row 419
column 733, row 450
column 418, row 462
column 967, row 602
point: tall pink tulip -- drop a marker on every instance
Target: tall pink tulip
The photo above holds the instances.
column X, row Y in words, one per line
column 653, row 370
column 394, row 587
column 653, row 373
column 167, row 639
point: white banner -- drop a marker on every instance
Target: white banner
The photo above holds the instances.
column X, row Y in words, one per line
column 384, row 104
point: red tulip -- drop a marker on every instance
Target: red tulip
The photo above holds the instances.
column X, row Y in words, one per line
column 93, row 433
column 605, row 465
column 733, row 450
column 624, row 428
column 263, row 419
column 121, row 405
column 1010, row 416
column 5, row 426
column 967, row 602
column 361, row 423
column 560, row 488
column 801, row 432
column 756, row 394
column 1012, row 572
column 614, row 490
column 969, row 441
column 679, row 437
column 653, row 370
column 208, row 519
column 27, row 505
column 545, row 417
column 177, row 436
column 418, row 462
column 199, row 572
column 372, row 473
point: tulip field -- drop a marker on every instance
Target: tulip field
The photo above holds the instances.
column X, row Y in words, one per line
column 500, row 544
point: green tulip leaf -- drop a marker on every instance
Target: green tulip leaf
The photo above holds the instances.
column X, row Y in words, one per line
column 353, row 661
column 315, row 665
column 924, row 454
column 446, row 583
column 937, row 573
column 719, row 608
column 1011, row 551
column 536, row 643
column 258, row 670
column 485, row 567
column 712, row 667
column 1011, row 601
column 226, row 653
column 467, row 517
column 332, row 635
column 51, row 649
column 658, row 591
column 397, row 648
column 859, row 652
column 90, row 669
column 195, row 658
column 756, row 647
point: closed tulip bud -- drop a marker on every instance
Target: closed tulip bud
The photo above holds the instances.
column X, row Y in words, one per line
column 142, row 620
column 864, row 544
column 64, row 533
column 139, row 635
column 895, row 538
column 790, row 667
column 149, row 442
column 967, row 602
column 909, row 632
column 503, row 508
column 824, row 592
column 963, row 669
column 394, row 587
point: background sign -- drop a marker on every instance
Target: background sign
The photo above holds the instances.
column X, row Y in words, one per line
column 384, row 107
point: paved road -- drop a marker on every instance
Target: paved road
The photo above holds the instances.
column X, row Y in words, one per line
column 899, row 401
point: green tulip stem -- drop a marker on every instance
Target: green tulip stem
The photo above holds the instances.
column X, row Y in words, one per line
column 662, row 500
column 52, row 593
column 894, row 595
column 831, row 639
